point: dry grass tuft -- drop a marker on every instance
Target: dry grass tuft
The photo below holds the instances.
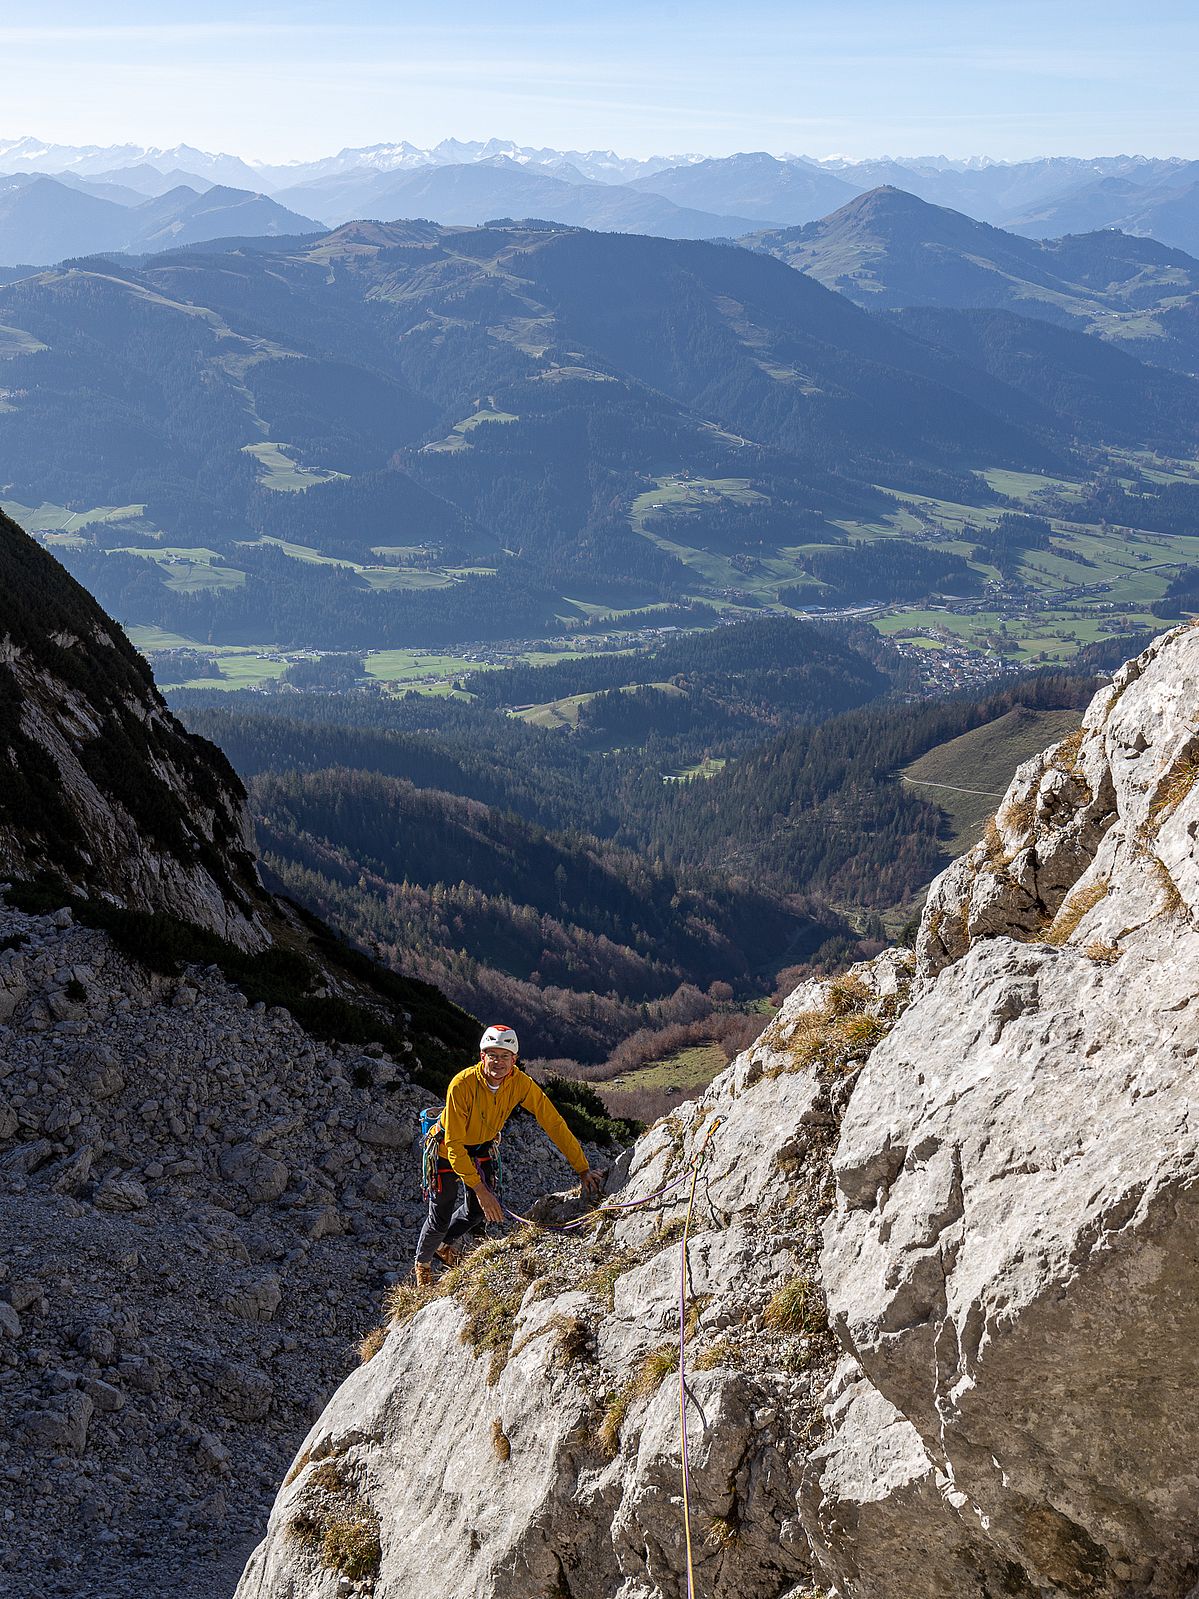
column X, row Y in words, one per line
column 722, row 1533
column 997, row 857
column 352, row 1547
column 722, row 1353
column 305, row 1529
column 1077, row 904
column 1018, row 815
column 602, row 1281
column 645, row 1381
column 833, row 1038
column 328, row 1475
column 796, row 1307
column 694, row 1311
column 572, row 1344
column 490, row 1286
column 1105, row 954
column 371, row 1344
column 1066, row 753
column 574, row 1341
column 846, row 994
column 1174, row 788
column 325, row 1451
column 499, row 1441
column 404, row 1299
column 1173, row 903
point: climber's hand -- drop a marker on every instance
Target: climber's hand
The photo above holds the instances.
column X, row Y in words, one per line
column 592, row 1183
column 492, row 1208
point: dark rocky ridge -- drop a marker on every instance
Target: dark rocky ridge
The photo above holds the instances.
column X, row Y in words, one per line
column 208, row 1111
column 99, row 784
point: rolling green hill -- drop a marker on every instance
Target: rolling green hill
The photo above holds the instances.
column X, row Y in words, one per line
column 887, row 250
column 968, row 775
column 409, row 435
column 379, row 354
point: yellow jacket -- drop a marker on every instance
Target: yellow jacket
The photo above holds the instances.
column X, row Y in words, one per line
column 474, row 1115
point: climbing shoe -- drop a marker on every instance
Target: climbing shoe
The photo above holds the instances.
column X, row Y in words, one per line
column 423, row 1275
column 448, row 1255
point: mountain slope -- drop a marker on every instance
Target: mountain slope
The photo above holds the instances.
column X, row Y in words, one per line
column 1165, row 208
column 180, row 217
column 499, row 187
column 756, row 185
column 110, row 805
column 524, row 414
column 1105, row 390
column 945, row 1236
column 44, row 220
column 887, row 249
column 101, row 786
column 207, row 1106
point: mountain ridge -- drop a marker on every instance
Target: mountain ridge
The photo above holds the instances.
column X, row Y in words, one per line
column 888, row 250
column 44, row 220
column 1017, row 194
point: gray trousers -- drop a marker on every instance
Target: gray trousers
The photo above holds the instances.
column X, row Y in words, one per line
column 454, row 1210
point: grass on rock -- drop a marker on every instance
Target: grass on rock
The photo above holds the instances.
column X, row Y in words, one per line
column 647, row 1379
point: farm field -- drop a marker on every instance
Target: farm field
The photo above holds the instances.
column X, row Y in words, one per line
column 564, row 712
column 187, row 569
column 58, row 523
column 690, row 1068
column 280, row 471
column 708, row 767
column 457, row 439
column 407, row 671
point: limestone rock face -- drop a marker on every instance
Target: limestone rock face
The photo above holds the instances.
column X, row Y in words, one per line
column 985, row 1162
column 563, row 1476
column 1012, row 1258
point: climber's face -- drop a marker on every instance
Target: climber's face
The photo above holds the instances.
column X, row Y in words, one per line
column 497, row 1065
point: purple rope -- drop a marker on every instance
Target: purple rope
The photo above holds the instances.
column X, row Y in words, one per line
column 599, row 1210
column 686, row 1452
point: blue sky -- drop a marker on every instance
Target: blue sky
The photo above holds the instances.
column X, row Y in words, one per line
column 1009, row 78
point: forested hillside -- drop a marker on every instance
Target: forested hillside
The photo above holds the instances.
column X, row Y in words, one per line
column 584, row 941
column 421, row 435
column 514, row 865
column 823, row 807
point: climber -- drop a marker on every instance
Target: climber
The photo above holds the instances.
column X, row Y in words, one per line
column 462, row 1146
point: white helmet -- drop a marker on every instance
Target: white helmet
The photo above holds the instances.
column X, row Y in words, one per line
column 498, row 1036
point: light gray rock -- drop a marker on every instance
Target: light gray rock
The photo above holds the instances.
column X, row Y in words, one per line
column 260, row 1177
column 386, row 1132
column 25, row 1293
column 106, row 1396
column 255, row 1300
column 1011, row 1258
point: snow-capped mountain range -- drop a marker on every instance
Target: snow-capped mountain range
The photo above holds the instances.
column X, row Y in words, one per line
column 675, row 196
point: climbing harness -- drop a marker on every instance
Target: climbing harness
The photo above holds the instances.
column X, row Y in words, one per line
column 433, row 1168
